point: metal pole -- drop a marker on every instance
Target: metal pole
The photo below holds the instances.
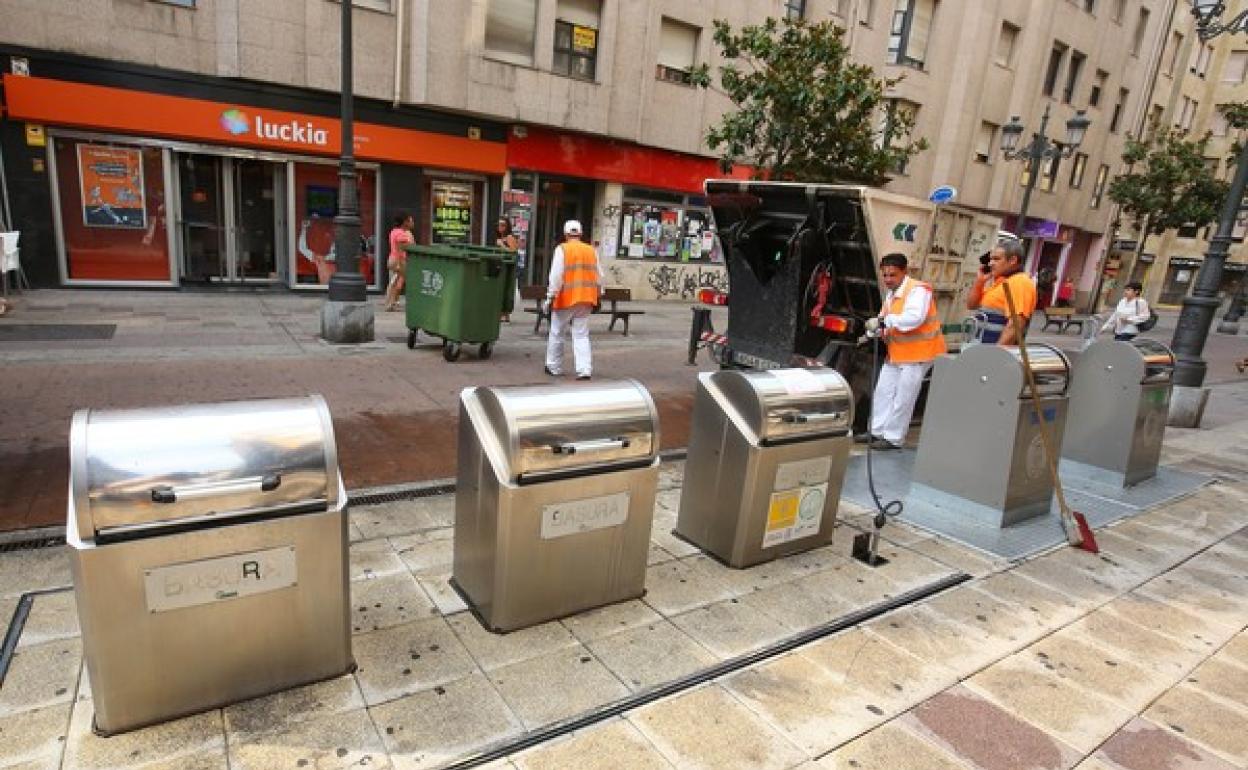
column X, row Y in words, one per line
column 1035, row 153
column 346, row 284
column 1199, row 308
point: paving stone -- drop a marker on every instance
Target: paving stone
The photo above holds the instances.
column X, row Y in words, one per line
column 1155, row 557
column 405, row 542
column 651, row 655
column 34, row 569
column 1114, row 569
column 656, row 555
column 1230, row 585
column 1211, row 604
column 954, row 555
column 707, row 728
column 738, row 581
column 372, row 559
column 437, row 726
column 856, row 583
column 346, row 740
column 186, row 737
column 429, row 559
column 890, row 747
column 34, row 736
column 1048, row 607
column 389, row 519
column 492, row 650
column 981, row 733
column 929, row 636
column 41, row 675
column 969, row 607
column 1225, row 556
column 1209, row 722
column 675, row 587
column 1133, row 642
column 1083, row 589
column 898, row 532
column 214, row 759
column 1163, row 535
column 1142, row 745
column 613, row 744
column 1237, row 649
column 1191, row 631
column 52, row 617
column 661, row 535
column 444, row 597
column 409, row 658
column 278, row 711
column 1075, row 715
column 612, row 619
column 892, row 678
column 1225, row 680
column 556, row 686
column 796, row 606
column 730, row 628
column 387, row 602
column 907, row 568
column 1104, row 672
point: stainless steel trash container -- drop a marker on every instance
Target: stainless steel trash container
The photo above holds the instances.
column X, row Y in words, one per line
column 767, row 456
column 1119, row 403
column 555, row 498
column 980, row 452
column 208, row 546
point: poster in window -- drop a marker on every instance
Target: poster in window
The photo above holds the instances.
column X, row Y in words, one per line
column 517, row 210
column 669, row 236
column 112, row 186
column 651, row 233
column 452, row 212
column 584, row 39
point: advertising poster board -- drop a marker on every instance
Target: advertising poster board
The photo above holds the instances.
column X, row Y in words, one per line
column 111, row 180
column 452, row 212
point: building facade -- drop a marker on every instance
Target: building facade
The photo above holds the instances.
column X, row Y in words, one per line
column 536, row 110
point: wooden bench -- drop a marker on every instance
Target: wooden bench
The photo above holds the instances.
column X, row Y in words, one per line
column 614, row 296
column 1063, row 318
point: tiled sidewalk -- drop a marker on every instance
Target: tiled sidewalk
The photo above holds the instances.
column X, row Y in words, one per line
column 1137, row 654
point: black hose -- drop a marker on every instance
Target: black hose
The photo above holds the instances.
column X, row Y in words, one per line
column 892, row 507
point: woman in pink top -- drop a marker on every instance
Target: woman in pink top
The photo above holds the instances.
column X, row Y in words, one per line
column 400, row 234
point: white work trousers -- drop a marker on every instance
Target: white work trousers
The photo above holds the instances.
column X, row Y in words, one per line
column 896, row 390
column 577, row 317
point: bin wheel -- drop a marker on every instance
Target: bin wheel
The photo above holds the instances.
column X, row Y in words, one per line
column 411, row 338
column 486, row 350
column 451, row 351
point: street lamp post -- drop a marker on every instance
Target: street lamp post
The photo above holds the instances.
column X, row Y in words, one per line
column 1039, row 149
column 347, row 315
column 1188, row 401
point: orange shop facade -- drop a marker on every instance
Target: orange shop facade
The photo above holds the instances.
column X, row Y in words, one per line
column 133, row 177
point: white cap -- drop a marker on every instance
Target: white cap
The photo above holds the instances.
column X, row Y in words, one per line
column 572, row 227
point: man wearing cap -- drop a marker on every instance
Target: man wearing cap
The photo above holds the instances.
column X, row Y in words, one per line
column 571, row 294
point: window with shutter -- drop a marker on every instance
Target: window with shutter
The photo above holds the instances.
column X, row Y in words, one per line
column 678, row 51
column 511, row 28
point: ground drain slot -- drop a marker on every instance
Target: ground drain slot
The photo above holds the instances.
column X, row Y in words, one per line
column 56, row 332
column 18, row 623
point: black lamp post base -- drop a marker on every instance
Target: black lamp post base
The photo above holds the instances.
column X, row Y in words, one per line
column 347, row 322
column 1187, row 406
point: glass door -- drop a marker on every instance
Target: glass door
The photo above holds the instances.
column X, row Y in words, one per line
column 257, row 219
column 232, row 213
column 202, row 226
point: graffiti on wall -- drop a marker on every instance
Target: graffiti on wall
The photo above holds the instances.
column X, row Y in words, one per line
column 669, row 280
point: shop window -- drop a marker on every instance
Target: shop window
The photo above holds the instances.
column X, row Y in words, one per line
column 984, row 142
column 1056, row 55
column 794, row 9
column 113, row 211
column 1072, row 76
column 1005, row 44
column 1098, row 87
column 1235, row 68
column 911, row 27
column 678, row 51
column 1141, row 27
column 511, row 28
column 1077, row 168
column 664, row 226
column 576, row 38
column 1098, row 190
column 454, row 213
column 316, row 205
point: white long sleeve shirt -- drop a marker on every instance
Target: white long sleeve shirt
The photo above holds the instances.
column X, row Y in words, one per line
column 1128, row 313
column 555, row 282
column 913, row 312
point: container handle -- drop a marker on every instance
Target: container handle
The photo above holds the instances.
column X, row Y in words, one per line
column 805, row 417
column 596, row 445
column 169, row 494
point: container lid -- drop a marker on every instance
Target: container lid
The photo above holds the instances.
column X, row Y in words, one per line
column 780, row 404
column 1158, row 359
column 150, row 468
column 554, row 429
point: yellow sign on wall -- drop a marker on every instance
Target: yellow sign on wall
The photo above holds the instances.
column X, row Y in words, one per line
column 35, row 136
column 584, row 39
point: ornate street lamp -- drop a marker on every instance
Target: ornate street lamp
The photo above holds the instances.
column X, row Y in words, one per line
column 1188, row 402
column 347, row 315
column 1040, row 149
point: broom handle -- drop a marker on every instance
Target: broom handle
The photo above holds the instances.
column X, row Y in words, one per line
column 1068, row 521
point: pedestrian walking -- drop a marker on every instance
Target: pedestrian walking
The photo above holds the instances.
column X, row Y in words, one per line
column 1132, row 310
column 987, row 297
column 571, row 293
column 396, row 263
column 909, row 325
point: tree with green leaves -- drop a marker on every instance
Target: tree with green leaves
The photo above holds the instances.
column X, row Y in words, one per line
column 1168, row 183
column 804, row 111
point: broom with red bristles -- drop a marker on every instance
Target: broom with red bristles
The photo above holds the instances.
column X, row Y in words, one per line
column 1074, row 524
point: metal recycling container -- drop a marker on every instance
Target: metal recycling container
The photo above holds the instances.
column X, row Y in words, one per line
column 766, row 461
column 458, row 293
column 208, row 547
column 1119, row 404
column 554, row 500
column 980, row 452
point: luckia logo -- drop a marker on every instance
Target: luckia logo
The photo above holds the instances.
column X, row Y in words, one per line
column 235, row 121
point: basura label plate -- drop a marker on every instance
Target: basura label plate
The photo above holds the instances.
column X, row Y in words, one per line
column 576, row 516
column 219, row 579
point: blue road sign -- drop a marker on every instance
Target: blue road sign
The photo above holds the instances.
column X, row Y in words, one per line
column 943, row 194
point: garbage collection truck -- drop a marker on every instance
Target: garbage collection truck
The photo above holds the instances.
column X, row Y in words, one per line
column 802, row 265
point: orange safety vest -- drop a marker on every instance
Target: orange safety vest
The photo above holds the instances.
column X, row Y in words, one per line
column 580, row 276
column 922, row 343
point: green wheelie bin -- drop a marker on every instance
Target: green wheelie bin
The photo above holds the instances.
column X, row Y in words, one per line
column 457, row 293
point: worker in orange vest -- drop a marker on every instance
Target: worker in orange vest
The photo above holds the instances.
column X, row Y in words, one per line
column 571, row 295
column 909, row 324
